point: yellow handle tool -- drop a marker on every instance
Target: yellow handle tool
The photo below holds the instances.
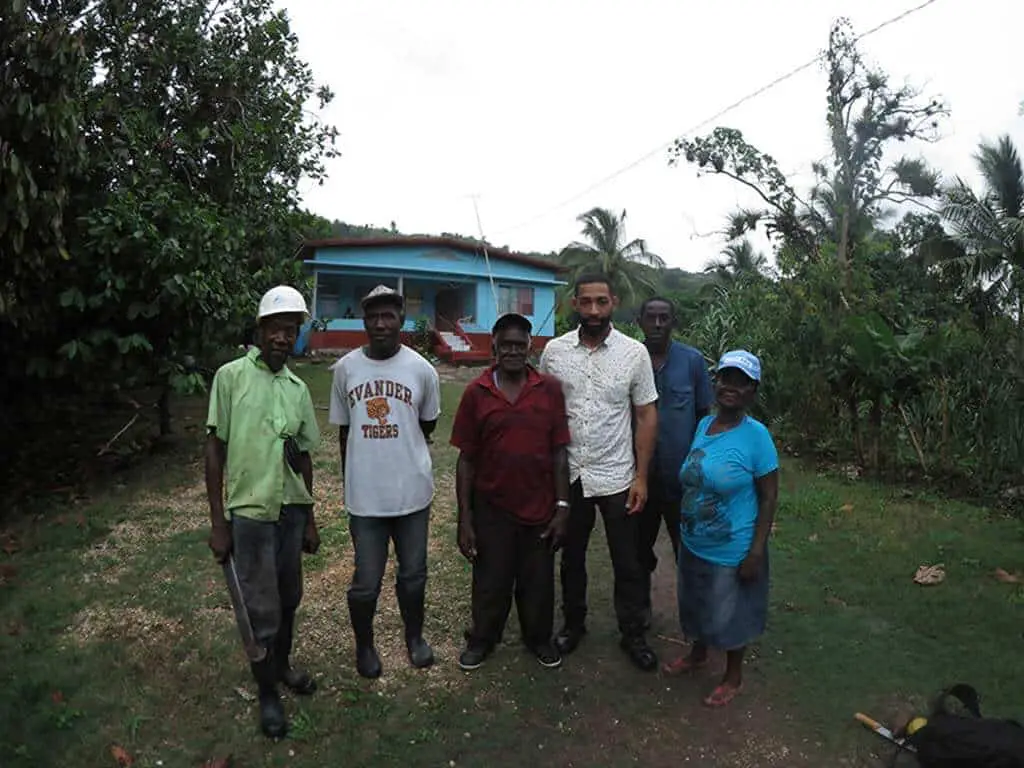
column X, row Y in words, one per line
column 882, row 731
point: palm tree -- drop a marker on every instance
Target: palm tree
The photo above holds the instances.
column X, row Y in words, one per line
column 604, row 249
column 990, row 225
column 738, row 260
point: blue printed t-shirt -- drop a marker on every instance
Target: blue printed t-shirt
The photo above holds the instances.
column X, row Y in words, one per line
column 684, row 388
column 719, row 506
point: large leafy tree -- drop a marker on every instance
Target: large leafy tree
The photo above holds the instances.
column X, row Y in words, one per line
column 45, row 71
column 989, row 225
column 865, row 116
column 605, row 248
column 170, row 140
column 827, row 240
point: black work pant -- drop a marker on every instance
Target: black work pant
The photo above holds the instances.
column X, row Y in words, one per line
column 621, row 531
column 268, row 560
column 662, row 504
column 511, row 558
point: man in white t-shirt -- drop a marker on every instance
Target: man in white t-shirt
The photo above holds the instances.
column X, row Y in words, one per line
column 385, row 401
column 608, row 382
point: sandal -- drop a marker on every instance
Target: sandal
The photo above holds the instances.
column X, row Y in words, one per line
column 682, row 665
column 722, row 695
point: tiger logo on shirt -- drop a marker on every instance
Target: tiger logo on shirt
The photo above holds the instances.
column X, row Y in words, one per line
column 377, row 408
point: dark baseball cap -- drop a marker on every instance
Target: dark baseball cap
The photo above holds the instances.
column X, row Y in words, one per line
column 383, row 295
column 512, row 320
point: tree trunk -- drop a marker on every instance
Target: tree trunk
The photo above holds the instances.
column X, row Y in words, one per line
column 853, row 408
column 843, row 251
column 164, row 407
column 944, row 450
column 875, row 426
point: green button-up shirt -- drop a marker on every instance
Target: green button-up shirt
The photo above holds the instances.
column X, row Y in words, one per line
column 254, row 410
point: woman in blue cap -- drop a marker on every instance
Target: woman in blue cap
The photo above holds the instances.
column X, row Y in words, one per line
column 730, row 483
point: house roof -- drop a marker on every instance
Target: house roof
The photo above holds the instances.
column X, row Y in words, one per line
column 466, row 246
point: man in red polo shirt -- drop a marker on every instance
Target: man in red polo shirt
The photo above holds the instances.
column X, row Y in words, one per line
column 512, row 483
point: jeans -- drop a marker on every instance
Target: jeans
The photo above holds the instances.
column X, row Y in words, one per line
column 370, row 539
column 621, row 532
column 511, row 558
column 268, row 559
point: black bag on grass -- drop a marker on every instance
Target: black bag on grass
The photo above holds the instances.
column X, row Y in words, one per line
column 953, row 740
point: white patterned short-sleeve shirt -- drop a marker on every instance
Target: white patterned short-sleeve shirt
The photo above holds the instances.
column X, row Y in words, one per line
column 601, row 386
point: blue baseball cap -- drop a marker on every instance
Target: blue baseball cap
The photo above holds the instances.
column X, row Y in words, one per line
column 743, row 360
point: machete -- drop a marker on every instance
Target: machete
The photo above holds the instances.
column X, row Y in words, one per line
column 253, row 650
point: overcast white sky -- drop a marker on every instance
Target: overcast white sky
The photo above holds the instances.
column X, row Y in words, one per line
column 529, row 103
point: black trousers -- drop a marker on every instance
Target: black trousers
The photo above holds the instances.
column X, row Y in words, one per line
column 268, row 558
column 621, row 530
column 662, row 504
column 512, row 559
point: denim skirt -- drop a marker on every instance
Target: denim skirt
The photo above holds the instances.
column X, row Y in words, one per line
column 715, row 607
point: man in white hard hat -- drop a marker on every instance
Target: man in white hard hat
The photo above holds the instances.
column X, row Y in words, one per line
column 262, row 427
column 385, row 401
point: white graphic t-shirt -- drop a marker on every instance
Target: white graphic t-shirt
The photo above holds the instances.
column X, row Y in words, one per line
column 388, row 471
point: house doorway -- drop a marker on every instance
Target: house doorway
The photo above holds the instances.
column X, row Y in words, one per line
column 447, row 309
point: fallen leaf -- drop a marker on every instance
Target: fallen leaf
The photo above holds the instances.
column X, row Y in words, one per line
column 837, row 601
column 244, row 694
column 846, row 508
column 218, row 762
column 120, row 754
column 813, row 537
column 58, row 697
column 1007, row 578
column 929, row 575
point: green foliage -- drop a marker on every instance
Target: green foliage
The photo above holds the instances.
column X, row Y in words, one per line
column 989, row 227
column 422, row 339
column 894, row 347
column 151, row 161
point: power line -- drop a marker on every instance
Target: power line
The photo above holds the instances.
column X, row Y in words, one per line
column 739, row 102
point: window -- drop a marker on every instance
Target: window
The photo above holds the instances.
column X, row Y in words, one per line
column 512, row 299
column 413, row 301
column 328, row 296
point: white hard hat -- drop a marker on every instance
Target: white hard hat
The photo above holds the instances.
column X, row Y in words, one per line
column 281, row 299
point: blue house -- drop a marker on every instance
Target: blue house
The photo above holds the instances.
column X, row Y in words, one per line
column 458, row 288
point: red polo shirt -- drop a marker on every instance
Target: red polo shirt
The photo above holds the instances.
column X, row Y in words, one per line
column 511, row 445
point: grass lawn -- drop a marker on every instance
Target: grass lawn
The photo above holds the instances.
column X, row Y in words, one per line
column 118, row 641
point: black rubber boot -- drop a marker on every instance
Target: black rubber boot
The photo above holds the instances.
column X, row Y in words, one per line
column 272, row 719
column 410, row 604
column 361, row 613
column 297, row 680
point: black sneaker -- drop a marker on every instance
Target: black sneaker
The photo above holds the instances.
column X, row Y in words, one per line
column 473, row 657
column 548, row 656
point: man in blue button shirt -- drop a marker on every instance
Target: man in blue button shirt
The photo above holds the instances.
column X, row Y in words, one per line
column 684, row 397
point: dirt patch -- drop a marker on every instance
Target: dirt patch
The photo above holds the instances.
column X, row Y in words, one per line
column 677, row 729
column 132, row 624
